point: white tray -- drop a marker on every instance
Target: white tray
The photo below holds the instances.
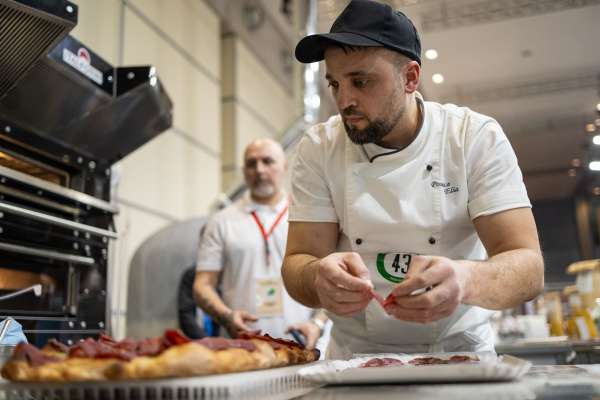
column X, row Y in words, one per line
column 489, row 368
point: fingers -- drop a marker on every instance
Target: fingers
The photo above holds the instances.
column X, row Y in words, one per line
column 246, row 316
column 356, row 266
column 343, row 284
column 438, row 273
column 425, row 273
column 421, row 315
column 341, row 295
column 378, row 297
column 439, row 295
column 337, row 274
column 311, row 339
column 414, row 279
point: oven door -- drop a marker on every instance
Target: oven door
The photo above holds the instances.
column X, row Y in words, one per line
column 53, row 274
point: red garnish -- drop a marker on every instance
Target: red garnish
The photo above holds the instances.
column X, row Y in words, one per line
column 391, row 299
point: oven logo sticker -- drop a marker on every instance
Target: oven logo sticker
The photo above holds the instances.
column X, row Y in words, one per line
column 82, row 63
column 84, row 55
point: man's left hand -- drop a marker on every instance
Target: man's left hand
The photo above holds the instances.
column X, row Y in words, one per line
column 445, row 282
column 310, row 331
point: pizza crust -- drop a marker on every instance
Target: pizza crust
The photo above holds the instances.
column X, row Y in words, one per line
column 178, row 360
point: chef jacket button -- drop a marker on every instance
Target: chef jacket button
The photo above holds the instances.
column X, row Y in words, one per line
column 429, row 167
column 358, row 241
column 432, row 240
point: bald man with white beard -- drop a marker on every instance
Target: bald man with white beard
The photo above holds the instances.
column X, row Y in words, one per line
column 242, row 248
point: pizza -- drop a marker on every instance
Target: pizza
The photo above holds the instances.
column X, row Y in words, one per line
column 171, row 355
column 386, row 362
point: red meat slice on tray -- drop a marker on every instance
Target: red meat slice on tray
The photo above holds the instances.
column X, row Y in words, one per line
column 381, row 362
column 458, row 359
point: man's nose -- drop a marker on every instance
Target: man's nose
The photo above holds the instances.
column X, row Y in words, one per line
column 345, row 98
column 260, row 167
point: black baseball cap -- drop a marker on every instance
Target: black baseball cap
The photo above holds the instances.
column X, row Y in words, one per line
column 364, row 23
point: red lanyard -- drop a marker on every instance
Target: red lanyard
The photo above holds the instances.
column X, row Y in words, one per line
column 266, row 234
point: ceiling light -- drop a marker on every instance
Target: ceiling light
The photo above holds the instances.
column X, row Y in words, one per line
column 572, row 172
column 594, row 166
column 437, row 78
column 596, row 140
column 596, row 190
column 431, row 54
column 598, row 107
column 576, row 162
column 590, row 128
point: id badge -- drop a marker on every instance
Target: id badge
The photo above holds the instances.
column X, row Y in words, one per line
column 269, row 297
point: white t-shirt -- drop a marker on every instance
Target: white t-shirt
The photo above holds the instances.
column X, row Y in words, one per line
column 233, row 244
column 419, row 200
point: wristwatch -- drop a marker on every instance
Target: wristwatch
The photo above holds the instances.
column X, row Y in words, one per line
column 320, row 324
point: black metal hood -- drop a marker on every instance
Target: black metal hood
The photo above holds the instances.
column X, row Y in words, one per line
column 74, row 97
column 29, row 29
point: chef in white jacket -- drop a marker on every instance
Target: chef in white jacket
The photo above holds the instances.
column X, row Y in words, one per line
column 417, row 202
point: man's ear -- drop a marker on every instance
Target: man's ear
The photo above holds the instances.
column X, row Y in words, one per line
column 413, row 76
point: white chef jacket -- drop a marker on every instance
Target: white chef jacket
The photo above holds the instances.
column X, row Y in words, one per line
column 420, row 200
column 233, row 245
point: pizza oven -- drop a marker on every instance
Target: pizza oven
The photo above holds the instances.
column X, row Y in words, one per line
column 65, row 118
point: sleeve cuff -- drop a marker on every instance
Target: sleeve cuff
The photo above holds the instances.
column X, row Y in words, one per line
column 312, row 214
column 207, row 267
column 495, row 203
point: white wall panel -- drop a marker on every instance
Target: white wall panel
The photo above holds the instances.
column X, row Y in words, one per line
column 195, row 96
column 98, row 27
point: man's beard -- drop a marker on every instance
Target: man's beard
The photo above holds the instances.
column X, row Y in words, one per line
column 263, row 190
column 376, row 130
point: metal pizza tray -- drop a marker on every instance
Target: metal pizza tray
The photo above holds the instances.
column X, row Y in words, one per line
column 270, row 384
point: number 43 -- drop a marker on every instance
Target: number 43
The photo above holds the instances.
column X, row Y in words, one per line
column 405, row 263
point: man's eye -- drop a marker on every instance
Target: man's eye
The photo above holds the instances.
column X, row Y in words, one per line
column 360, row 83
column 332, row 85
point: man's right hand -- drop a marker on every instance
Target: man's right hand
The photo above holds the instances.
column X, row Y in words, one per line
column 236, row 321
column 342, row 283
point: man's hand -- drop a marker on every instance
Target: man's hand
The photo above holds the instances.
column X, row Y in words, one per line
column 310, row 330
column 342, row 283
column 447, row 280
column 236, row 320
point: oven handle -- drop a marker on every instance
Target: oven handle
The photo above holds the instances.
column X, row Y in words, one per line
column 36, row 289
column 9, row 208
column 30, row 251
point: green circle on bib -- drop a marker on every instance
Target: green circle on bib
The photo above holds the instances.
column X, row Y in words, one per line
column 399, row 264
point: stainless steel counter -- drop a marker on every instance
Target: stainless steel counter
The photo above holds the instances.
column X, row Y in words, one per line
column 553, row 352
column 542, row 382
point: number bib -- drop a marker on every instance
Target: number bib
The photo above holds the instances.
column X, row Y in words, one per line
column 393, row 267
